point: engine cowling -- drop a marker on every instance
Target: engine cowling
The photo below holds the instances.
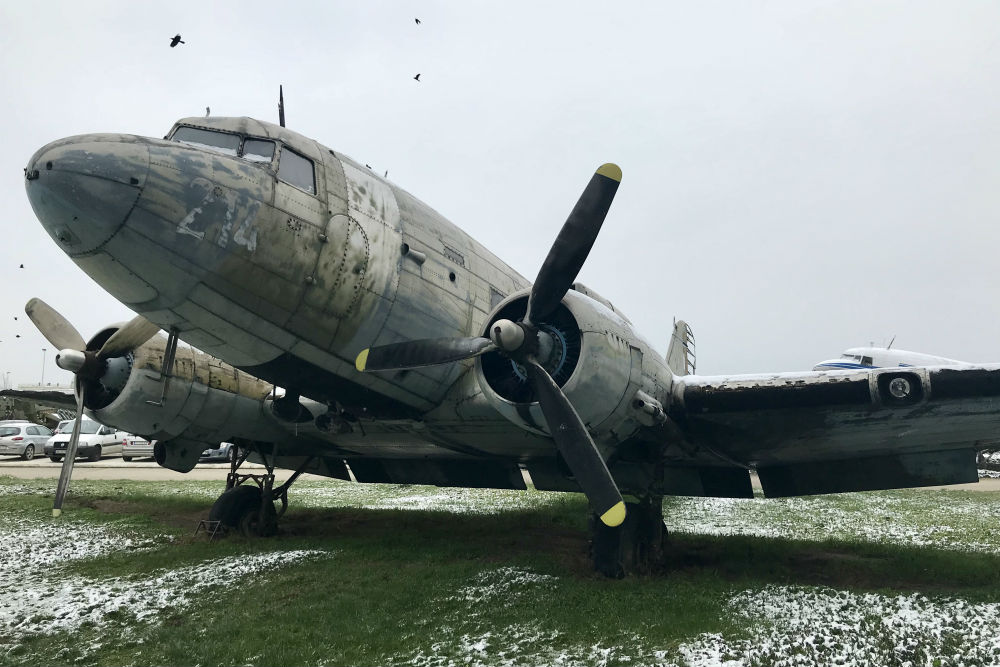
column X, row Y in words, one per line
column 203, row 402
column 596, row 360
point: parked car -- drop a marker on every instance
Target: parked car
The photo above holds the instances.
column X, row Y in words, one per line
column 226, row 451
column 23, row 439
column 96, row 440
column 136, row 447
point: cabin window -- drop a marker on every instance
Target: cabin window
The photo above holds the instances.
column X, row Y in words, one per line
column 258, row 150
column 866, row 361
column 297, row 170
column 220, row 142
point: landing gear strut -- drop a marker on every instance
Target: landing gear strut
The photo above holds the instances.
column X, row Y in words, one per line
column 247, row 504
column 634, row 547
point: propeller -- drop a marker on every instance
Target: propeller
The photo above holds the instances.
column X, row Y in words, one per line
column 528, row 345
column 86, row 364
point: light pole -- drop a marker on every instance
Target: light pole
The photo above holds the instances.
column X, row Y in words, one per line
column 42, row 383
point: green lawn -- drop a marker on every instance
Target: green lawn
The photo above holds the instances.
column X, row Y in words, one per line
column 410, row 575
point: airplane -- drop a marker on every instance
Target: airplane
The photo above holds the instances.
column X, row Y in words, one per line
column 884, row 357
column 409, row 353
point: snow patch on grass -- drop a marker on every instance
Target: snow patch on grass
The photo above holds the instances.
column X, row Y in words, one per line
column 925, row 518
column 800, row 626
column 40, row 598
column 40, row 604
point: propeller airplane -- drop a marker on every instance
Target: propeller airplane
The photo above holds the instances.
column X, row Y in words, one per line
column 409, row 353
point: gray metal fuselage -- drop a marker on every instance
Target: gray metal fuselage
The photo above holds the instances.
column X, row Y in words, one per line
column 290, row 285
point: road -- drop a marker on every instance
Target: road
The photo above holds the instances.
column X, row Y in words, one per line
column 116, row 468
column 146, row 469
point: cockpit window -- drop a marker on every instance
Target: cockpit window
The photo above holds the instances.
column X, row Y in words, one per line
column 866, row 361
column 258, row 150
column 220, row 142
column 297, row 170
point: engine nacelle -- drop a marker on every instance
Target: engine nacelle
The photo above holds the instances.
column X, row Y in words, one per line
column 598, row 362
column 179, row 454
column 202, row 403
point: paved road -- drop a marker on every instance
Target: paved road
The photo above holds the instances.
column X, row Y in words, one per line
column 116, row 468
column 146, row 469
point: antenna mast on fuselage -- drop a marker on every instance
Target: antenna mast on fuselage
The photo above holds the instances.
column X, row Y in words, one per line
column 281, row 106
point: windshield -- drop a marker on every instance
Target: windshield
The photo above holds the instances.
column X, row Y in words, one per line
column 8, row 430
column 65, row 427
column 253, row 150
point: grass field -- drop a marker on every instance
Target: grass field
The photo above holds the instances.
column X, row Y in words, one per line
column 410, row 575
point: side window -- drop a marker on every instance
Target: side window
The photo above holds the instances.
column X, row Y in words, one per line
column 32, row 430
column 44, row 430
column 297, row 170
column 258, row 150
column 866, row 361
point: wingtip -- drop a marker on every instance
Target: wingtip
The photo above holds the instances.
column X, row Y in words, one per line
column 610, row 170
column 614, row 516
column 362, row 360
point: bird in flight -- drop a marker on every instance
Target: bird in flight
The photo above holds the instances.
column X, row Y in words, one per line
column 176, row 40
column 417, row 20
column 417, row 78
column 22, row 266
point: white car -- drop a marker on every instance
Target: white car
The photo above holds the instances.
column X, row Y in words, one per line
column 96, row 440
column 136, row 447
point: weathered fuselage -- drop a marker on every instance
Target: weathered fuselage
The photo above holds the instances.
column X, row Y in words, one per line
column 287, row 265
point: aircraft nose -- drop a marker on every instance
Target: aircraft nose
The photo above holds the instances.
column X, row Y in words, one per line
column 83, row 188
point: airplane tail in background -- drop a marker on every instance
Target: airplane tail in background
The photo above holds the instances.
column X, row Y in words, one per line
column 680, row 354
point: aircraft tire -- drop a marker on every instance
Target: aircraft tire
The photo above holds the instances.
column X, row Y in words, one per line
column 239, row 508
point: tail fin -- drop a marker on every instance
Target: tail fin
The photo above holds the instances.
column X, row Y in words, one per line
column 680, row 354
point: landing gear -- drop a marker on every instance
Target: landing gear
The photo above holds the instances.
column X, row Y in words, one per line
column 247, row 505
column 636, row 546
column 245, row 508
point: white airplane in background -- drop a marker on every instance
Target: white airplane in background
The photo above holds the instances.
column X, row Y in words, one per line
column 883, row 357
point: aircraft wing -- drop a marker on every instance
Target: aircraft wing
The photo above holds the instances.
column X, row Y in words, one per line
column 52, row 397
column 826, row 432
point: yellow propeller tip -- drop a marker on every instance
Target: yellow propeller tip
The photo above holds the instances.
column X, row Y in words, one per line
column 614, row 516
column 610, row 170
column 56, row 513
column 362, row 360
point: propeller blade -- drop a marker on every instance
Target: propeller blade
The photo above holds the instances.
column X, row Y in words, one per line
column 571, row 247
column 417, row 353
column 577, row 447
column 71, row 447
column 56, row 328
column 135, row 332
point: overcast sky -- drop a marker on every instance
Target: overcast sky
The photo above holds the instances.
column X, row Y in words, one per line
column 799, row 177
